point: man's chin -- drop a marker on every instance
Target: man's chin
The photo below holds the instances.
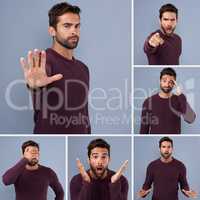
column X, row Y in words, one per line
column 33, row 162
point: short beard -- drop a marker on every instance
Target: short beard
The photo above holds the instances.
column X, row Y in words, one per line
column 33, row 162
column 66, row 44
column 166, row 91
column 166, row 156
column 96, row 175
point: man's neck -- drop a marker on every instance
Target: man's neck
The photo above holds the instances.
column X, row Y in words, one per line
column 67, row 53
column 165, row 95
column 95, row 177
column 166, row 160
column 31, row 168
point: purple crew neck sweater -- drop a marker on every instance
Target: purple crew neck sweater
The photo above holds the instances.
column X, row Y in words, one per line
column 62, row 106
column 32, row 185
column 166, row 54
column 163, row 116
column 99, row 189
column 166, row 178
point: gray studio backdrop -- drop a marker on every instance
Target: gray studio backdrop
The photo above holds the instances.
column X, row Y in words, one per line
column 120, row 151
column 52, row 154
column 146, row 83
column 105, row 46
column 187, row 27
column 146, row 149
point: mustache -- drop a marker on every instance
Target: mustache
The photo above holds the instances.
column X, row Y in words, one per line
column 73, row 37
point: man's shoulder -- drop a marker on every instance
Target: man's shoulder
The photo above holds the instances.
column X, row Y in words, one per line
column 154, row 163
column 154, row 97
column 177, row 36
column 76, row 178
column 178, row 163
column 46, row 169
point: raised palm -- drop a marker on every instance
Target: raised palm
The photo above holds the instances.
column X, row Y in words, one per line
column 35, row 70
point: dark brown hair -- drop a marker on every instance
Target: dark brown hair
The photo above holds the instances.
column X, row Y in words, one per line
column 98, row 143
column 29, row 143
column 168, row 8
column 60, row 9
column 165, row 139
column 168, row 71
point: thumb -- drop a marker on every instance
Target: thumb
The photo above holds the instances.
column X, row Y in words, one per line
column 157, row 34
column 54, row 78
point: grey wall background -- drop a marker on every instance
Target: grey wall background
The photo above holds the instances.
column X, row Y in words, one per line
column 146, row 149
column 147, row 83
column 77, row 148
column 105, row 47
column 52, row 154
column 187, row 27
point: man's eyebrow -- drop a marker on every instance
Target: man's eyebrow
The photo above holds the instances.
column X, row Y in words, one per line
column 68, row 23
column 99, row 153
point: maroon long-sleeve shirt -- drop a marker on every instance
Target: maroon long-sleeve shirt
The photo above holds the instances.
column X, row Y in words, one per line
column 33, row 184
column 99, row 189
column 62, row 106
column 166, row 178
column 163, row 115
column 166, row 54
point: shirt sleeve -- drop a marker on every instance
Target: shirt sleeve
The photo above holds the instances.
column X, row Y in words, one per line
column 87, row 112
column 56, row 186
column 182, row 178
column 80, row 189
column 149, row 178
column 11, row 175
column 185, row 109
column 119, row 189
column 145, row 119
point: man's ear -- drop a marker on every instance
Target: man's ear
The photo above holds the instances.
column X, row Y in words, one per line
column 52, row 31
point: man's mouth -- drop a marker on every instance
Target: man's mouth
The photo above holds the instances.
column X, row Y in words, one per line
column 75, row 38
column 99, row 169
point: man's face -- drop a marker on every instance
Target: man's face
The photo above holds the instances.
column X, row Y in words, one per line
column 67, row 31
column 168, row 22
column 166, row 149
column 32, row 154
column 98, row 161
column 167, row 83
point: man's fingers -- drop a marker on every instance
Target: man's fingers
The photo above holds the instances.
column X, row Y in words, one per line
column 80, row 166
column 142, row 193
column 123, row 167
column 175, row 83
column 43, row 60
column 157, row 34
column 36, row 58
column 23, row 63
column 53, row 78
column 78, row 162
column 147, row 191
column 30, row 59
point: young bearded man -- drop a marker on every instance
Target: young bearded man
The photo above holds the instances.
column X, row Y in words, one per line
column 31, row 180
column 99, row 182
column 163, row 47
column 166, row 174
column 161, row 113
column 58, row 81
